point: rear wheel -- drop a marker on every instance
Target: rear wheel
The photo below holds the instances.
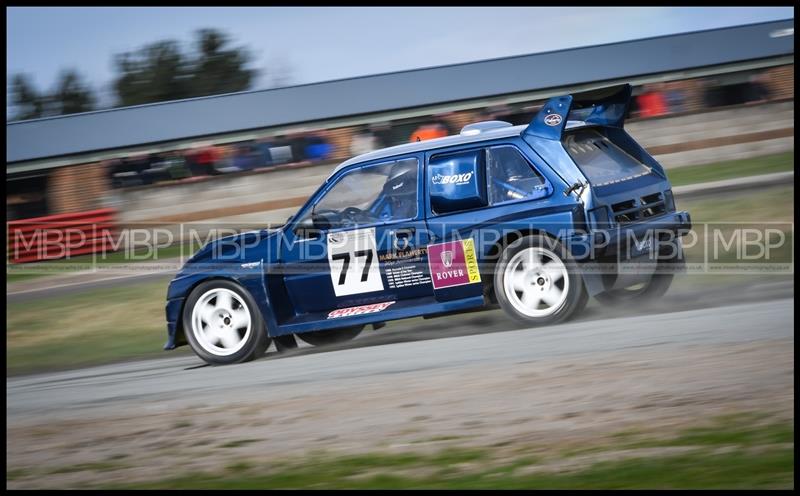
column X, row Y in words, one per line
column 222, row 323
column 655, row 287
column 332, row 336
column 537, row 282
column 582, row 302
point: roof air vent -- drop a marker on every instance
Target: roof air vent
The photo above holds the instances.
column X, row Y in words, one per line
column 482, row 127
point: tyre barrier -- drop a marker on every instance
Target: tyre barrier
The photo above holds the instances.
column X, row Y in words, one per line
column 63, row 235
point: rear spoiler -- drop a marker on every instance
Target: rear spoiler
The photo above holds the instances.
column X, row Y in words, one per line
column 603, row 107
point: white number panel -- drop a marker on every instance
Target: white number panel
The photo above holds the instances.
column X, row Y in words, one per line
column 353, row 258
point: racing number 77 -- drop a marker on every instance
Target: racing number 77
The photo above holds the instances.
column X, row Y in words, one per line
column 346, row 264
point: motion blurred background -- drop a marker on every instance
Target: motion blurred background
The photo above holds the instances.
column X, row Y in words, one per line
column 155, row 142
column 208, row 117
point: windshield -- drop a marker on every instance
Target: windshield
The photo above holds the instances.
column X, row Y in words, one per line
column 600, row 160
column 377, row 193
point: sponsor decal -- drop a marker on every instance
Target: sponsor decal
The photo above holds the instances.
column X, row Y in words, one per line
column 552, row 119
column 359, row 310
column 457, row 179
column 453, row 263
column 404, row 255
column 353, row 259
column 447, row 258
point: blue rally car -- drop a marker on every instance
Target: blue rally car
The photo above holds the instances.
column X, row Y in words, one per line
column 533, row 219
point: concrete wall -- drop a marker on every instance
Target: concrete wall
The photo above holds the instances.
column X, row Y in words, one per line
column 217, row 193
column 273, row 195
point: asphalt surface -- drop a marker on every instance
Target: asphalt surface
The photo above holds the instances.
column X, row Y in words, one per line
column 180, row 382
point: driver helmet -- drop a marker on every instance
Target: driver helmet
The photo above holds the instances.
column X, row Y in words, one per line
column 401, row 189
column 401, row 180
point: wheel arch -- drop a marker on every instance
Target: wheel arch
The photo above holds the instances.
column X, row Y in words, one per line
column 493, row 255
column 180, row 337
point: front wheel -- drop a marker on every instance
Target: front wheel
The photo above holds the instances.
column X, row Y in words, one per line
column 332, row 336
column 537, row 282
column 222, row 323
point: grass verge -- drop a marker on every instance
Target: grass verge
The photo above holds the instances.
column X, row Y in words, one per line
column 732, row 452
column 729, row 169
column 86, row 328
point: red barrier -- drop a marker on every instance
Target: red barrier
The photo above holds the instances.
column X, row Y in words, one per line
column 63, row 235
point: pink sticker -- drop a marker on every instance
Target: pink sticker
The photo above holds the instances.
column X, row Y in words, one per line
column 448, row 264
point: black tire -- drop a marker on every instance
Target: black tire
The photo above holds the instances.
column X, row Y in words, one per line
column 330, row 336
column 570, row 282
column 651, row 291
column 253, row 341
column 584, row 300
column 654, row 289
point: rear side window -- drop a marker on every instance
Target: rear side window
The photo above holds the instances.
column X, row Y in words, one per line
column 511, row 177
column 456, row 181
column 601, row 161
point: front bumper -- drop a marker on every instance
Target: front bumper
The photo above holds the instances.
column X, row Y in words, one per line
column 630, row 240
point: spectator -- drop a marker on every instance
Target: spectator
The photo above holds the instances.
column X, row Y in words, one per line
column 176, row 165
column 497, row 113
column 263, row 146
column 317, row 148
column 223, row 159
column 363, row 142
column 429, row 131
column 202, row 163
column 382, row 131
column 246, row 157
column 298, row 143
column 675, row 97
column 652, row 102
column 442, row 121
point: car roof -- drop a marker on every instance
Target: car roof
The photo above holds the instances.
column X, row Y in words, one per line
column 432, row 144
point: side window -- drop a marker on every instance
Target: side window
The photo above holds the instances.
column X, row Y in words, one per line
column 511, row 177
column 374, row 194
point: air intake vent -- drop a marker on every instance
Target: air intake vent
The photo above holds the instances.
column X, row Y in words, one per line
column 482, row 127
column 633, row 210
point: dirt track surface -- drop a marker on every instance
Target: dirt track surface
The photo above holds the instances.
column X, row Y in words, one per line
column 566, row 386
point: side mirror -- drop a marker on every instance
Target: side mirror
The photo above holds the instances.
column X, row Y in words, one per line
column 306, row 229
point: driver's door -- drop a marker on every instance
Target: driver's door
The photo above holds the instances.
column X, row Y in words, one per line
column 359, row 241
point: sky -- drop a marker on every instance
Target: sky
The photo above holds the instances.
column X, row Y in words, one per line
column 310, row 44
